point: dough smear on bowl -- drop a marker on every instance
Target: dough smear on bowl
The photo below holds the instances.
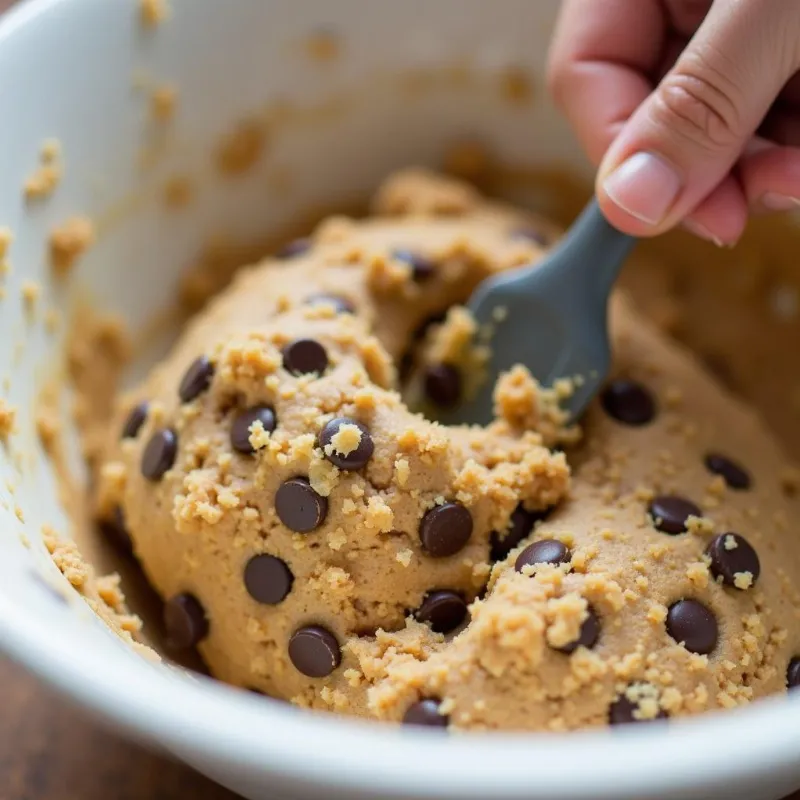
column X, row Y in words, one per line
column 319, row 542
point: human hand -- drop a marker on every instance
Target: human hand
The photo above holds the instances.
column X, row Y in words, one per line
column 690, row 108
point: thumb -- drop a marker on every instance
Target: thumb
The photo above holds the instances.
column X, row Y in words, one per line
column 683, row 140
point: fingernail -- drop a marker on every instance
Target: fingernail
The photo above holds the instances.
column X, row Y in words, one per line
column 779, row 202
column 645, row 186
column 704, row 233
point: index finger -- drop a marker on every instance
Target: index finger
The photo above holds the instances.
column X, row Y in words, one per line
column 599, row 63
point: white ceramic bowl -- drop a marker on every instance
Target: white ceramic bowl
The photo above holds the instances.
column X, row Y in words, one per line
column 66, row 70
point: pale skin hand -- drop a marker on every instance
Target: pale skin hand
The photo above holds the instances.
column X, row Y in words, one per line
column 690, row 109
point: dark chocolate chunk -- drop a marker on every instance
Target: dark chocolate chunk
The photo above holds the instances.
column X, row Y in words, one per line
column 426, row 712
column 294, row 248
column 196, row 379
column 732, row 555
column 793, row 673
column 442, row 384
column 628, row 402
column 314, row 651
column 545, row 551
column 671, row 513
column 135, row 420
column 422, row 267
column 267, row 579
column 299, row 507
column 355, row 459
column 305, row 356
column 445, row 529
column 159, row 454
column 185, row 621
column 735, row 475
column 690, row 623
column 443, row 610
column 522, row 522
column 622, row 712
column 240, row 427
column 589, row 633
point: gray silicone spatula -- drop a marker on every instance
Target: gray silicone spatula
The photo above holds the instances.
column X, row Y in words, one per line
column 554, row 316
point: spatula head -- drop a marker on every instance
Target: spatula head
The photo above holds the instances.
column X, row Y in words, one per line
column 551, row 318
column 537, row 321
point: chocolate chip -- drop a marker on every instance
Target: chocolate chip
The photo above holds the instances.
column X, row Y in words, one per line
column 304, row 356
column 240, row 427
column 116, row 532
column 267, row 579
column 736, row 476
column 545, row 551
column 185, row 621
column 294, row 248
column 671, row 513
column 622, row 711
column 445, row 529
column 628, row 402
column 793, row 673
column 136, row 417
column 422, row 329
column 426, row 712
column 341, row 305
column 314, row 651
column 442, row 385
column 422, row 267
column 727, row 562
column 531, row 235
column 355, row 459
column 522, row 522
column 159, row 454
column 196, row 379
column 443, row 610
column 693, row 625
column 590, row 630
column 299, row 507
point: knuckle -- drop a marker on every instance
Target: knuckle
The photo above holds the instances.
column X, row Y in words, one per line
column 700, row 105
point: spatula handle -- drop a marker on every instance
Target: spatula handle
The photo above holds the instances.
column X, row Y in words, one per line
column 592, row 252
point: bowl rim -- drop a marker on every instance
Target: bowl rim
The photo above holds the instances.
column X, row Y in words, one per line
column 213, row 721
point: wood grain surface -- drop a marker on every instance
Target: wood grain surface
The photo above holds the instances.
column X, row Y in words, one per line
column 51, row 751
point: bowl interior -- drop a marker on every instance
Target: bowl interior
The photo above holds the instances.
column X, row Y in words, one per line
column 331, row 96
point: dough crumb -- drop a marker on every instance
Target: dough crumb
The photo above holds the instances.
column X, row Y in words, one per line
column 516, row 86
column 69, row 241
column 178, row 192
column 323, row 47
column 31, row 291
column 47, row 176
column 8, row 420
column 43, row 182
column 163, row 101
column 6, row 238
column 153, row 12
column 242, row 148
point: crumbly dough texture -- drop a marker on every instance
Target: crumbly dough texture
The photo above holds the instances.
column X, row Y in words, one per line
column 363, row 572
column 102, row 593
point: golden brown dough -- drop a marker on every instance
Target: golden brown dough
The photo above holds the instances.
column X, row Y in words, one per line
column 297, row 517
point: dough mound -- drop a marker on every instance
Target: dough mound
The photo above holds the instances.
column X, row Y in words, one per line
column 319, row 542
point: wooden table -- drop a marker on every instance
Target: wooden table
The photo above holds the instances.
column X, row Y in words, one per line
column 50, row 751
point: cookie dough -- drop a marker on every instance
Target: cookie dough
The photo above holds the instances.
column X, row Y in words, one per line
column 319, row 542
